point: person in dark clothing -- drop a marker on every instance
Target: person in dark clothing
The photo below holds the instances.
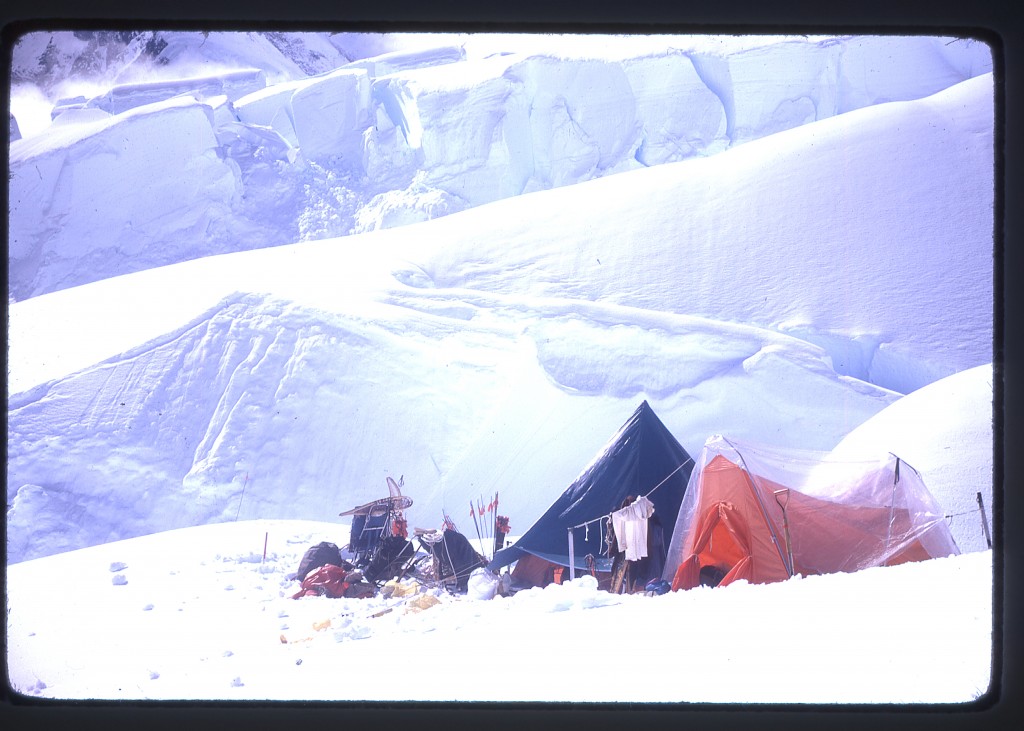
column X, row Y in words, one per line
column 711, row 576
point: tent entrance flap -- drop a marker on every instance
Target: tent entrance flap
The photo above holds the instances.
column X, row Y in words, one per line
column 538, row 569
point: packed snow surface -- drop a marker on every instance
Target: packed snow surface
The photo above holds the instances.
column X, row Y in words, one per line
column 201, row 614
column 466, row 263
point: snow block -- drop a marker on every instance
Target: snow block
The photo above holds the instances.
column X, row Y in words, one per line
column 405, row 60
column 679, row 114
column 164, row 211
column 270, row 107
column 582, row 117
column 331, row 115
column 233, row 84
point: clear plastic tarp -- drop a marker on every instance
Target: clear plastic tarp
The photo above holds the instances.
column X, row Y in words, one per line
column 764, row 513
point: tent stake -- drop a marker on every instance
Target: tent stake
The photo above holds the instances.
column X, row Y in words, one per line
column 984, row 521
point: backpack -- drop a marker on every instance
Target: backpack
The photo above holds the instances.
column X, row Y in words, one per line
column 335, row 582
column 326, row 580
column 319, row 555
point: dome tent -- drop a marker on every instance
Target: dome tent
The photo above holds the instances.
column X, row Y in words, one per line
column 763, row 514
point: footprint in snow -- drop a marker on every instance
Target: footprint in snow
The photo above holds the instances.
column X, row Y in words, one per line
column 118, row 566
column 119, row 580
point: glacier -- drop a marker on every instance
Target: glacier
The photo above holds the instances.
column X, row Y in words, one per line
column 414, row 135
column 232, row 308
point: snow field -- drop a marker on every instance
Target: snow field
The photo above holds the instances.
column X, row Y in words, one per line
column 199, row 614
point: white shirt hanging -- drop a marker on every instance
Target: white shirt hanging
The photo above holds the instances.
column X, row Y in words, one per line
column 630, row 525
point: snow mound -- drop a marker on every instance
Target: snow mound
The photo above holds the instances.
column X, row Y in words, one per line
column 953, row 455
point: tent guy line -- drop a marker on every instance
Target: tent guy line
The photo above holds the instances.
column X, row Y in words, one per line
column 647, row 494
column 601, row 522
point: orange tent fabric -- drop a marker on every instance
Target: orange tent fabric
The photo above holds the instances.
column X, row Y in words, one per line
column 754, row 528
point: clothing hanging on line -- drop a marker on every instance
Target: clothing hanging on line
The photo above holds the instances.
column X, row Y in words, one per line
column 630, row 526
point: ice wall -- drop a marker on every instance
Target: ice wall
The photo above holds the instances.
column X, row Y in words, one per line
column 232, row 84
column 411, row 136
column 109, row 196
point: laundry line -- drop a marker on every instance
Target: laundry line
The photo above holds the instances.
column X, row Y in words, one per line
column 602, row 519
column 648, row 494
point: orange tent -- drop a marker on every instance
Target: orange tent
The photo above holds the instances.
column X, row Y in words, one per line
column 761, row 514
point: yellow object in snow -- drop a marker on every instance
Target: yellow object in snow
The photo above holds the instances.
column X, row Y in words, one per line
column 395, row 588
column 424, row 601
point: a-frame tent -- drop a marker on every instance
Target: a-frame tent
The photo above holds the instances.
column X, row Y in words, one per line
column 641, row 459
column 763, row 514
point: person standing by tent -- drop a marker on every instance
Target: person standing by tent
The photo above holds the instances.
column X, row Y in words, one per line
column 651, row 567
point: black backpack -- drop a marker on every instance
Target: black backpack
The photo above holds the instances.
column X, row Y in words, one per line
column 319, row 555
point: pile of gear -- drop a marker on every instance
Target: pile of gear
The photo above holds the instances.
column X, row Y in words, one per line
column 381, row 555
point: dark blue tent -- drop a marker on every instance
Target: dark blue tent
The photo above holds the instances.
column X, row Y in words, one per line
column 643, row 458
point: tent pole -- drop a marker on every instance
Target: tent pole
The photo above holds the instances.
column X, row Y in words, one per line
column 785, row 524
column 572, row 557
column 892, row 508
column 984, row 521
column 472, row 511
column 764, row 511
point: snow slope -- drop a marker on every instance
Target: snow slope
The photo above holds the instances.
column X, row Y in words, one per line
column 944, row 430
column 501, row 346
column 264, row 407
column 198, row 614
column 828, row 284
column 928, row 194
column 885, row 209
column 414, row 135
